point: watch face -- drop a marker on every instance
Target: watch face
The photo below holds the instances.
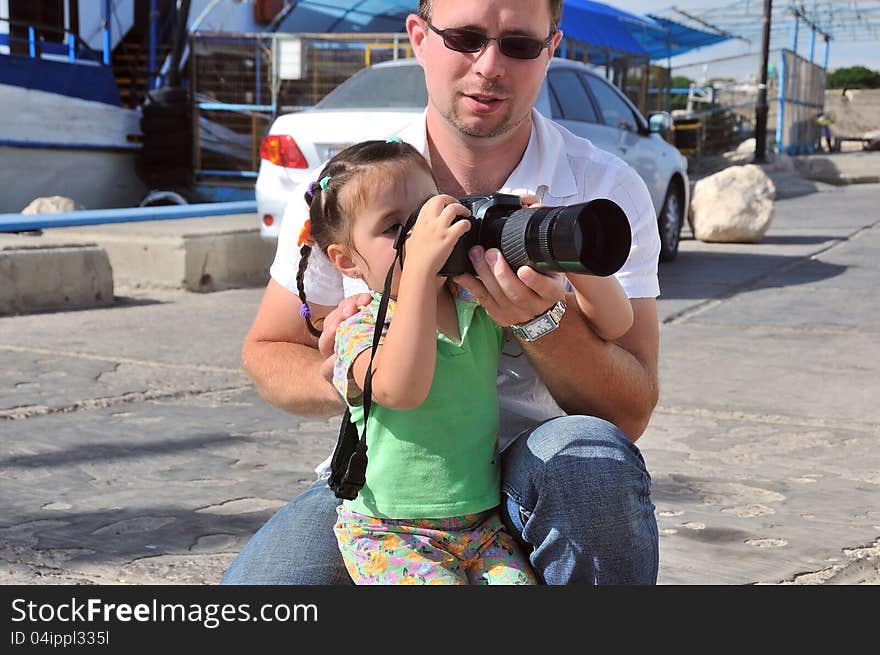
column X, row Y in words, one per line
column 539, row 326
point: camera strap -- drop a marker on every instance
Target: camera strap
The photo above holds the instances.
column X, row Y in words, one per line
column 348, row 465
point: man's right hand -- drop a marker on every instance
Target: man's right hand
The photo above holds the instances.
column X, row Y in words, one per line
column 345, row 309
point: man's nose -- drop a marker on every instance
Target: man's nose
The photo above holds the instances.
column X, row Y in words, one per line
column 490, row 62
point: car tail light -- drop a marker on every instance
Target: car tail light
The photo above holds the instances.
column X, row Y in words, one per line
column 268, row 220
column 281, row 150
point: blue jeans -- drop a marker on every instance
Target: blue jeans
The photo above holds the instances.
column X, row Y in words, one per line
column 576, row 494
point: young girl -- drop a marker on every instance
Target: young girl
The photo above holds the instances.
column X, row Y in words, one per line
column 428, row 513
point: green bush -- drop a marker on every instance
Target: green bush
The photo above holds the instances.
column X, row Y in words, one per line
column 854, row 77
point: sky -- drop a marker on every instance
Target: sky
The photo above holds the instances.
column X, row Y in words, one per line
column 841, row 52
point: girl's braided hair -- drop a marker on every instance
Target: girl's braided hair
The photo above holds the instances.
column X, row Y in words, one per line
column 330, row 220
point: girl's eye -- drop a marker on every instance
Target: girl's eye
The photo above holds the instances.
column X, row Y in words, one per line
column 392, row 229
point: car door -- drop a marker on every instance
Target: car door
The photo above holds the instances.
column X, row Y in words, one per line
column 572, row 107
column 633, row 145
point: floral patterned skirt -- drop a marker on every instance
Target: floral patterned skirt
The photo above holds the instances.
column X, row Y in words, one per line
column 473, row 549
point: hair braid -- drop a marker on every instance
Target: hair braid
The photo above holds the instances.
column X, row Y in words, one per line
column 305, row 311
column 329, row 222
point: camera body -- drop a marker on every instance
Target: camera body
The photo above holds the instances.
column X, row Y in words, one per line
column 592, row 237
column 486, row 211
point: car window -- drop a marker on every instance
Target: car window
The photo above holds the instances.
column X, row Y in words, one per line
column 615, row 112
column 392, row 87
column 569, row 98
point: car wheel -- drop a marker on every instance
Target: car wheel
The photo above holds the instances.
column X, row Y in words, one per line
column 669, row 223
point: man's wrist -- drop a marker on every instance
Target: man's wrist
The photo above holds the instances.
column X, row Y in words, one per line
column 541, row 325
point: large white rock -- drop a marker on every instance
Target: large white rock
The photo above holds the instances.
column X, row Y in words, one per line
column 734, row 205
column 747, row 146
column 50, row 205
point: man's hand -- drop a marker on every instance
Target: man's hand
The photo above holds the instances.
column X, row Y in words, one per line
column 511, row 298
column 507, row 296
column 347, row 308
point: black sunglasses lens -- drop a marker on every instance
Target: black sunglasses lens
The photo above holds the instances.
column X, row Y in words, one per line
column 517, row 47
column 463, row 40
column 520, row 47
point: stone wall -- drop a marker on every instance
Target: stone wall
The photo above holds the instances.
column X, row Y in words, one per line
column 855, row 113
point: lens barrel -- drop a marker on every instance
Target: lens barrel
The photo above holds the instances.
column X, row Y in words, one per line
column 592, row 237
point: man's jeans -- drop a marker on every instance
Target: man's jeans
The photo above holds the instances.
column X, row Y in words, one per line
column 575, row 493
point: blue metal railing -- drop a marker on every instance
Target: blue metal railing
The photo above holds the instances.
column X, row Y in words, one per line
column 160, row 30
column 71, row 47
column 21, row 222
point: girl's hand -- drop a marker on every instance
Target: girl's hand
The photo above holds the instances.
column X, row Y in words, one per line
column 529, row 200
column 435, row 233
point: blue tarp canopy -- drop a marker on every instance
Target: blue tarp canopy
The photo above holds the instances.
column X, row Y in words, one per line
column 591, row 23
column 325, row 16
column 678, row 39
column 600, row 25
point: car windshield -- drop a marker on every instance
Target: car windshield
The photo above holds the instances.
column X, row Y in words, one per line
column 393, row 87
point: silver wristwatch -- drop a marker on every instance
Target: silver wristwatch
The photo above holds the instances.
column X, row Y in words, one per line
column 540, row 325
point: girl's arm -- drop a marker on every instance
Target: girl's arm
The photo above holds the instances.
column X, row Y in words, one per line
column 604, row 304
column 403, row 368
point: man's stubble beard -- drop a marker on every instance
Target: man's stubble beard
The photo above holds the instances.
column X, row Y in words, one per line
column 507, row 124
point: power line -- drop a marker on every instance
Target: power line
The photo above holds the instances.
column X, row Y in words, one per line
column 852, row 20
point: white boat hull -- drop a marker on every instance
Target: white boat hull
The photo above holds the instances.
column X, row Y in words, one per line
column 53, row 144
column 94, row 179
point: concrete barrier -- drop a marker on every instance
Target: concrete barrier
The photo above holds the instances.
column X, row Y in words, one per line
column 198, row 254
column 39, row 273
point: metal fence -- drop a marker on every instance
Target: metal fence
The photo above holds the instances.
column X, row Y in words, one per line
column 801, row 97
column 242, row 82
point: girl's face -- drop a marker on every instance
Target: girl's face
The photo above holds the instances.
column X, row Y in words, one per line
column 387, row 201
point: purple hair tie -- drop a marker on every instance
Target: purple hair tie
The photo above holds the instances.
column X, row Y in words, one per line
column 312, row 186
column 305, row 311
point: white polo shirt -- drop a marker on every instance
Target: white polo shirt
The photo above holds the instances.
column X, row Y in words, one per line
column 560, row 169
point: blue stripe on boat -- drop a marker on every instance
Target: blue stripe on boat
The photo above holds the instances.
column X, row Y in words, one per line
column 84, row 81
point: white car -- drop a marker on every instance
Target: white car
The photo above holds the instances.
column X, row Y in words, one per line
column 380, row 100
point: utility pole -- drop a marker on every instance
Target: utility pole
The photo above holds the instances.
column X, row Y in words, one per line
column 761, row 108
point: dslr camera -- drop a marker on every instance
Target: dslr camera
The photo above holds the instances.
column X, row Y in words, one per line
column 592, row 237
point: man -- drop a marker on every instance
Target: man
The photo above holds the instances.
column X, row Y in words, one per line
column 575, row 487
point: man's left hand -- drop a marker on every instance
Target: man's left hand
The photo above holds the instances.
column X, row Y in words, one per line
column 510, row 297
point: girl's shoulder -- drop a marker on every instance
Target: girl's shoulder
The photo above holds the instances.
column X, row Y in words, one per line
column 365, row 318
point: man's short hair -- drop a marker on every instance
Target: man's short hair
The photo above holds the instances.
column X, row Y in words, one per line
column 424, row 12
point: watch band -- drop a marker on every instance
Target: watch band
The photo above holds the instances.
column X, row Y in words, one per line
column 541, row 325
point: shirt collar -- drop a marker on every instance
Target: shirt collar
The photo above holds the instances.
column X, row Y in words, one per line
column 533, row 174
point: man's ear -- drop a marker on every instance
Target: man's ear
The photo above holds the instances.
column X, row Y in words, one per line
column 415, row 27
column 340, row 257
column 557, row 37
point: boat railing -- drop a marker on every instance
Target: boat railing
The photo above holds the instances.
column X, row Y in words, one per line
column 36, row 41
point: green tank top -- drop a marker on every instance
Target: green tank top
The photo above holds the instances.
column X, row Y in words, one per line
column 439, row 459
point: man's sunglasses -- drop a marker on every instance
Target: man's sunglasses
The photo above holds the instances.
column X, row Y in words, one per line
column 512, row 45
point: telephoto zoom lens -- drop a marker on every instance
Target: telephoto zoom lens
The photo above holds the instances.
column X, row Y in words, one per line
column 592, row 237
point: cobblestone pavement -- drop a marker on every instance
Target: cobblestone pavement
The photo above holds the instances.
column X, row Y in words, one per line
column 136, row 451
